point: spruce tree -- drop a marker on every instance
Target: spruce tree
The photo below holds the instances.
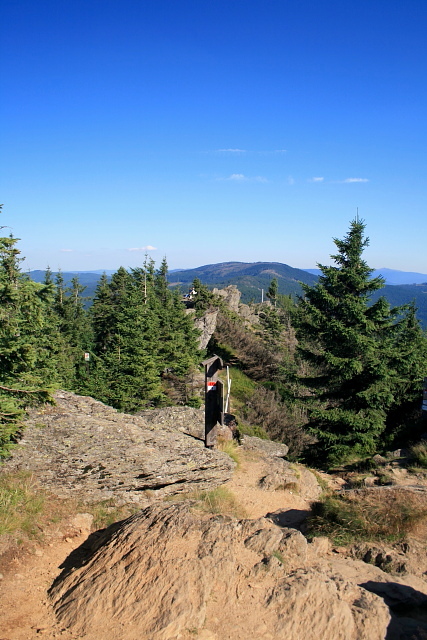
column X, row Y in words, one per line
column 354, row 352
column 132, row 357
column 273, row 291
column 28, row 343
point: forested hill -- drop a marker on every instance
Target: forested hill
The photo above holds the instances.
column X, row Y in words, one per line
column 404, row 294
column 249, row 277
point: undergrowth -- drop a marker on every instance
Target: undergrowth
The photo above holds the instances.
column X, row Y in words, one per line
column 21, row 504
column 419, row 453
column 388, row 515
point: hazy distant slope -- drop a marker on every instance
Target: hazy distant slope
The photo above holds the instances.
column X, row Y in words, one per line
column 405, row 293
column 391, row 276
column 249, row 277
column 88, row 279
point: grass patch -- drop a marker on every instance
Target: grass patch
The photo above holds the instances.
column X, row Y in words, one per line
column 323, row 484
column 278, row 555
column 388, row 515
column 419, row 453
column 231, row 448
column 26, row 510
column 252, row 430
column 242, row 387
column 106, row 513
column 217, row 501
column 21, row 504
column 222, row 501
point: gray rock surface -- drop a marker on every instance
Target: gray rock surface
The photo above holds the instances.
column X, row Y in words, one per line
column 206, row 325
column 231, row 296
column 265, row 447
column 83, row 448
column 182, row 419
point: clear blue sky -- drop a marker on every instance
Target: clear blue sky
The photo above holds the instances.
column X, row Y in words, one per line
column 213, row 131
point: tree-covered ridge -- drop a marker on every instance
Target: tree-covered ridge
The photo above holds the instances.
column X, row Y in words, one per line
column 251, row 279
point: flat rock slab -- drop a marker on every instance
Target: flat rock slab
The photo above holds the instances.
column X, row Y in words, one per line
column 82, row 448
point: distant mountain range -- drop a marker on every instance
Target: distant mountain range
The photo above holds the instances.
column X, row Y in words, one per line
column 391, row 276
column 252, row 279
column 249, row 277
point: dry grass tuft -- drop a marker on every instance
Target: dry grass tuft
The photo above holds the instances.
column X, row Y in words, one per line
column 21, row 504
column 419, row 452
column 380, row 514
column 217, row 501
column 222, row 501
column 231, row 448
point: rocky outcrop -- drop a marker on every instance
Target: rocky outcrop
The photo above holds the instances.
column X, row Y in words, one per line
column 265, row 448
column 184, row 419
column 169, row 573
column 231, row 296
column 206, row 324
column 83, row 448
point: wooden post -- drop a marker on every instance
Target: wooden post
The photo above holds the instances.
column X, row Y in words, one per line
column 214, row 412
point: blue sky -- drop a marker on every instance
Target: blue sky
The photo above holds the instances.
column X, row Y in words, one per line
column 213, row 131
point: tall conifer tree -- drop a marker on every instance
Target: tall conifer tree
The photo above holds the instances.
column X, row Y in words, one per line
column 28, row 355
column 354, row 350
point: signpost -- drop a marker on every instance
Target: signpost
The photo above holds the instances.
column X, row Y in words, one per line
column 214, row 413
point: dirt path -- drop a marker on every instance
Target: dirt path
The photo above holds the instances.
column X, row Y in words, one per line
column 27, row 575
column 258, row 502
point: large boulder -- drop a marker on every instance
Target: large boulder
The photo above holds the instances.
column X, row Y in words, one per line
column 168, row 573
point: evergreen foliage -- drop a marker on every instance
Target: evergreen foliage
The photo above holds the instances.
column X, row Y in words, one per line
column 272, row 291
column 28, row 357
column 364, row 361
column 135, row 330
column 141, row 330
column 203, row 298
